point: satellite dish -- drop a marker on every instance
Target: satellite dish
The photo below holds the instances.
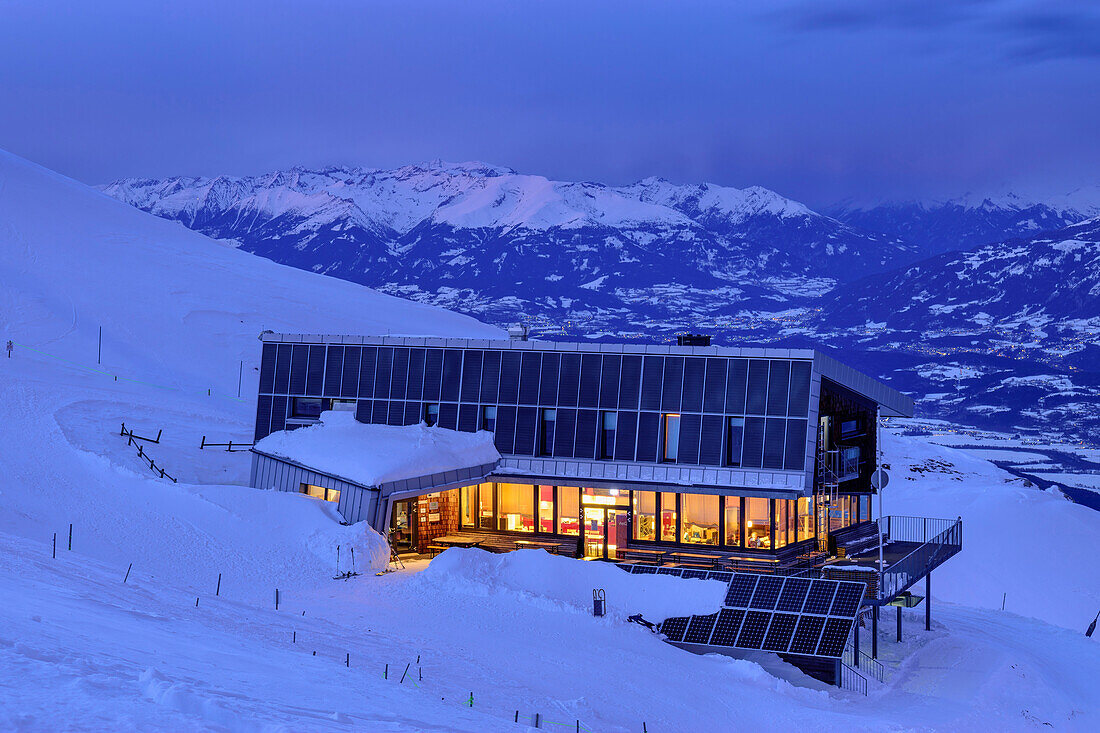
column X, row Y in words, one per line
column 875, row 479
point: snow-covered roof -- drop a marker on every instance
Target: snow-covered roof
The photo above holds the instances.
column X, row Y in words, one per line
column 372, row 455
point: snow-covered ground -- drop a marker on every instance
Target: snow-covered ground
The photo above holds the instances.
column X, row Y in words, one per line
column 80, row 649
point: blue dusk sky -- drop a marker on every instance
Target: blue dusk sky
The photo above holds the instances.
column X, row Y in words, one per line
column 821, row 100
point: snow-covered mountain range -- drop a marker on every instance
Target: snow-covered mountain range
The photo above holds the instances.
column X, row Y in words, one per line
column 505, row 245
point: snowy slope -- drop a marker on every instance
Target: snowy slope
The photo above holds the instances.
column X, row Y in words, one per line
column 80, row 649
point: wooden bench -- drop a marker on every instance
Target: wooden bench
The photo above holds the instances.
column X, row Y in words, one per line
column 434, row 550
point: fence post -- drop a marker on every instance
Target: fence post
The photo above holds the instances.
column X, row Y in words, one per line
column 55, row 545
column 218, row 590
column 70, row 537
column 276, row 599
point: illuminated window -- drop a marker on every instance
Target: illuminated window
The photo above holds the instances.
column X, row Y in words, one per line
column 320, row 492
column 668, row 517
column 733, row 521
column 699, row 519
column 516, row 507
column 780, row 523
column 469, row 506
column 569, row 505
column 485, row 506
column 805, row 518
column 645, row 515
column 757, row 523
column 546, row 508
column 672, row 437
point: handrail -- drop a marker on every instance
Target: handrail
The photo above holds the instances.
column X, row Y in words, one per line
column 921, row 559
column 851, row 679
column 864, row 662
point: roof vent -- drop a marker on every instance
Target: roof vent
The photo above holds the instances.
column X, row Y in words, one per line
column 692, row 339
column 517, row 332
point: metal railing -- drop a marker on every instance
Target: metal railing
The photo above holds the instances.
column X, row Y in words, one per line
column 852, row 680
column 932, row 551
column 863, row 662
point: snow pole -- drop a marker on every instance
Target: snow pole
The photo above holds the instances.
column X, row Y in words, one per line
column 196, row 601
column 338, row 559
column 352, row 551
column 405, row 673
column 128, row 572
column 55, row 545
column 218, row 590
column 386, row 673
column 294, row 637
column 347, row 659
column 276, row 599
column 70, row 537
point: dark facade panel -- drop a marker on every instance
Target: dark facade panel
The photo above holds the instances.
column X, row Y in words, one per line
column 626, row 435
column 799, row 403
column 452, row 373
column 694, row 372
column 714, row 386
column 349, row 381
column 397, row 413
column 414, row 413
column 362, row 411
column 433, row 374
column 278, row 413
column 334, row 368
column 569, row 380
column 298, row 362
column 448, row 415
column 775, row 429
column 673, row 384
column 648, row 430
column 509, row 377
column 471, row 376
column 688, row 451
column 736, row 386
column 415, row 389
column 586, row 434
column 506, row 429
column 399, row 377
column 383, row 369
column 778, row 382
column 757, row 395
column 529, row 369
column 526, row 427
column 380, row 412
column 795, row 453
column 609, row 382
column 315, row 372
column 752, row 452
column 263, row 417
column 590, row 381
column 490, row 377
column 267, row 368
column 564, row 433
column 366, row 372
column 468, row 418
column 630, row 383
column 710, row 439
column 548, row 381
column 283, row 358
column 652, row 370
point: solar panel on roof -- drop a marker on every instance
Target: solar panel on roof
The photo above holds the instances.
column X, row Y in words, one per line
column 753, row 629
column 721, row 575
column 793, row 595
column 727, row 628
column 645, row 569
column 741, row 588
column 767, row 591
column 847, row 599
column 674, row 628
column 699, row 629
column 820, row 597
column 693, row 573
column 669, row 571
column 627, row 568
column 834, row 637
column 780, row 632
column 806, row 635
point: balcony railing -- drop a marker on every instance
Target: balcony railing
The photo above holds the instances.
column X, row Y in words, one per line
column 938, row 540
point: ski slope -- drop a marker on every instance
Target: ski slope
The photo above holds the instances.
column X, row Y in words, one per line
column 80, row 649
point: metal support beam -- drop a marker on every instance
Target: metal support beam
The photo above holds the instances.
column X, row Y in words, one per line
column 874, row 632
column 856, row 641
column 899, row 624
column 928, row 601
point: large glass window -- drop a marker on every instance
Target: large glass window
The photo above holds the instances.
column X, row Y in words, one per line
column 780, row 522
column 699, row 519
column 645, row 515
column 468, row 504
column 320, row 492
column 569, row 504
column 735, row 432
column 608, row 423
column 516, row 507
column 546, row 508
column 546, row 433
column 805, row 518
column 307, row 407
column 672, row 437
column 757, row 523
column 485, row 506
column 733, row 520
column 668, row 517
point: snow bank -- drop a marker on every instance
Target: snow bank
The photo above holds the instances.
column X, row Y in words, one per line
column 376, row 454
column 570, row 582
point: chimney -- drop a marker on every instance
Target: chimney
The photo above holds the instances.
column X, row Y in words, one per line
column 692, row 339
column 517, row 332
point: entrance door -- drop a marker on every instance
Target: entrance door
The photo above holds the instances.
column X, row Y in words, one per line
column 605, row 531
column 403, row 526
